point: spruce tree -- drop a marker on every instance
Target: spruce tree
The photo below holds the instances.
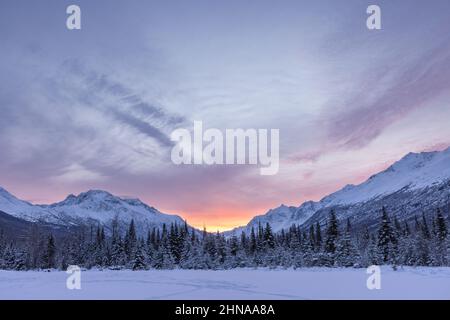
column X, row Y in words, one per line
column 139, row 259
column 331, row 240
column 386, row 239
column 441, row 227
column 347, row 254
column 318, row 236
column 48, row 258
column 253, row 244
column 269, row 241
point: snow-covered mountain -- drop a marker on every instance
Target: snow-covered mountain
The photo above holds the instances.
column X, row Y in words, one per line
column 419, row 182
column 92, row 207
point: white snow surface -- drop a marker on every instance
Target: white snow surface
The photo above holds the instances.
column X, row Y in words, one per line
column 300, row 284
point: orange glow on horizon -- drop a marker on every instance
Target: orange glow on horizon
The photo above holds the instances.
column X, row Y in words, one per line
column 218, row 221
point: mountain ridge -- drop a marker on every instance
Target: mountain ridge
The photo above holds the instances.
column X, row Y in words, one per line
column 409, row 175
column 424, row 176
column 90, row 207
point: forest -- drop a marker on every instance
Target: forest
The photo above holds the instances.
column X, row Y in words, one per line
column 423, row 242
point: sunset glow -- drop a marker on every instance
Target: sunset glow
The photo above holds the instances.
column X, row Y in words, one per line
column 94, row 109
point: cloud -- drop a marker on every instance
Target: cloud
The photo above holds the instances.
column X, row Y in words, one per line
column 76, row 173
column 404, row 88
column 79, row 121
column 143, row 127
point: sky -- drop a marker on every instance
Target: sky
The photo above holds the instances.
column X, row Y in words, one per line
column 94, row 108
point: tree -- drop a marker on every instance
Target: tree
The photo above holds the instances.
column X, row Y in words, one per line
column 347, row 255
column 130, row 242
column 9, row 258
column 318, row 236
column 139, row 259
column 386, row 239
column 48, row 258
column 163, row 258
column 269, row 241
column 439, row 241
column 252, row 241
column 424, row 227
column 295, row 246
column 331, row 241
column 441, row 227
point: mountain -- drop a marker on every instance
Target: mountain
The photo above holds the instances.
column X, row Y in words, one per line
column 418, row 183
column 94, row 207
column 19, row 229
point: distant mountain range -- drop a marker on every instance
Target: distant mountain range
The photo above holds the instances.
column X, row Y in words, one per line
column 418, row 183
column 94, row 207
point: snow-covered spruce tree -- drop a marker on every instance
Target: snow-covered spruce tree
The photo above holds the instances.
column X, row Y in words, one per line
column 387, row 242
column 9, row 258
column 233, row 250
column 253, row 245
column 422, row 243
column 139, row 258
column 98, row 251
column 270, row 258
column 20, row 261
column 221, row 251
column 308, row 244
column 373, row 258
column 318, row 233
column 2, row 241
column 268, row 238
column 189, row 253
column 130, row 242
column 448, row 250
column 210, row 251
column 295, row 247
column 176, row 239
column 163, row 258
column 118, row 256
column 406, row 247
column 48, row 257
column 331, row 239
column 347, row 254
column 439, row 240
column 362, row 245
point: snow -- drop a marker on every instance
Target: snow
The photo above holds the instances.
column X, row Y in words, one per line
column 414, row 171
column 311, row 283
column 94, row 205
column 104, row 207
column 22, row 209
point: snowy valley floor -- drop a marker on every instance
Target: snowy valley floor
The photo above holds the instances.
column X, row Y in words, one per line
column 314, row 283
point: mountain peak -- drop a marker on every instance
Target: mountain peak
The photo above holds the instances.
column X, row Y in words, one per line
column 91, row 206
column 89, row 196
column 6, row 195
column 412, row 173
column 3, row 191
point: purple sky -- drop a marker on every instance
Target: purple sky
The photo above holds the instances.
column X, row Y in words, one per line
column 94, row 108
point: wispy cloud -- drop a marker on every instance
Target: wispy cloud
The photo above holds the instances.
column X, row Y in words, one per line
column 79, row 117
column 362, row 118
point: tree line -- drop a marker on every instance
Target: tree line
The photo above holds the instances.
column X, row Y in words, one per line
column 425, row 242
